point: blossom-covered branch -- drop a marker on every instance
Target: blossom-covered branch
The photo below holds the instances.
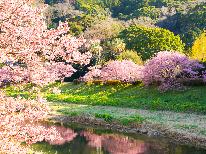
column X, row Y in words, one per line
column 46, row 55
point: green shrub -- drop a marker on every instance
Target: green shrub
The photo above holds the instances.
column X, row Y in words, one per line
column 199, row 48
column 106, row 116
column 136, row 119
column 115, row 45
column 148, row 41
column 130, row 55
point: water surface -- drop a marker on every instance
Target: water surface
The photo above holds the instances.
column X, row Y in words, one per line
column 79, row 140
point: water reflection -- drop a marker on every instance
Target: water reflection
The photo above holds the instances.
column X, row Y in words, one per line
column 65, row 135
column 91, row 141
column 115, row 144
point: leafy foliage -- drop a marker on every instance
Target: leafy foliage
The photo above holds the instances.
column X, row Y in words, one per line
column 105, row 29
column 115, row 45
column 192, row 24
column 148, row 41
column 91, row 13
column 105, row 51
column 127, row 9
column 199, row 48
column 59, row 12
column 182, row 17
column 149, row 11
column 130, row 55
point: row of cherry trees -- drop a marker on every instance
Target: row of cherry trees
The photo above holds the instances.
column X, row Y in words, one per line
column 165, row 69
column 32, row 53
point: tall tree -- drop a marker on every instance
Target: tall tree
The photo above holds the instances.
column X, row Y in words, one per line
column 28, row 48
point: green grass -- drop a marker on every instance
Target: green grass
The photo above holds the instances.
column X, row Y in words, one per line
column 132, row 119
column 124, row 95
column 106, row 116
column 106, row 113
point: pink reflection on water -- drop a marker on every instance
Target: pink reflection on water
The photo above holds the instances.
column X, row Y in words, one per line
column 115, row 144
column 93, row 139
column 62, row 135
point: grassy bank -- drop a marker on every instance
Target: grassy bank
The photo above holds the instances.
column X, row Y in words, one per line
column 123, row 95
column 183, row 122
column 181, row 127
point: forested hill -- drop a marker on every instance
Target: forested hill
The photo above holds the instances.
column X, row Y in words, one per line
column 184, row 17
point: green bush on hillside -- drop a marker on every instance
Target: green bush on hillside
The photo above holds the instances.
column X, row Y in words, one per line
column 148, row 41
column 130, row 55
column 199, row 48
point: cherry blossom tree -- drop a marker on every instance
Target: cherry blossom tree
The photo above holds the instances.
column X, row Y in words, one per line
column 165, row 68
column 125, row 71
column 32, row 53
column 28, row 48
column 20, row 121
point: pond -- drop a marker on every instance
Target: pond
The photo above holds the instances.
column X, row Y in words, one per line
column 77, row 139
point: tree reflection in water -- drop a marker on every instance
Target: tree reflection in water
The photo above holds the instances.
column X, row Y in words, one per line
column 65, row 135
column 115, row 144
column 89, row 141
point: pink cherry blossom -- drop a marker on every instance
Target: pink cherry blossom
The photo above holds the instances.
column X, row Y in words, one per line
column 20, row 122
column 125, row 71
column 165, row 68
column 31, row 51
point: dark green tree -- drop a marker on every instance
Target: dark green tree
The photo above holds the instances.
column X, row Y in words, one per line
column 192, row 24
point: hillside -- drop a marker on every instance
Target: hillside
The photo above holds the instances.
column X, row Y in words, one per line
column 183, row 17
